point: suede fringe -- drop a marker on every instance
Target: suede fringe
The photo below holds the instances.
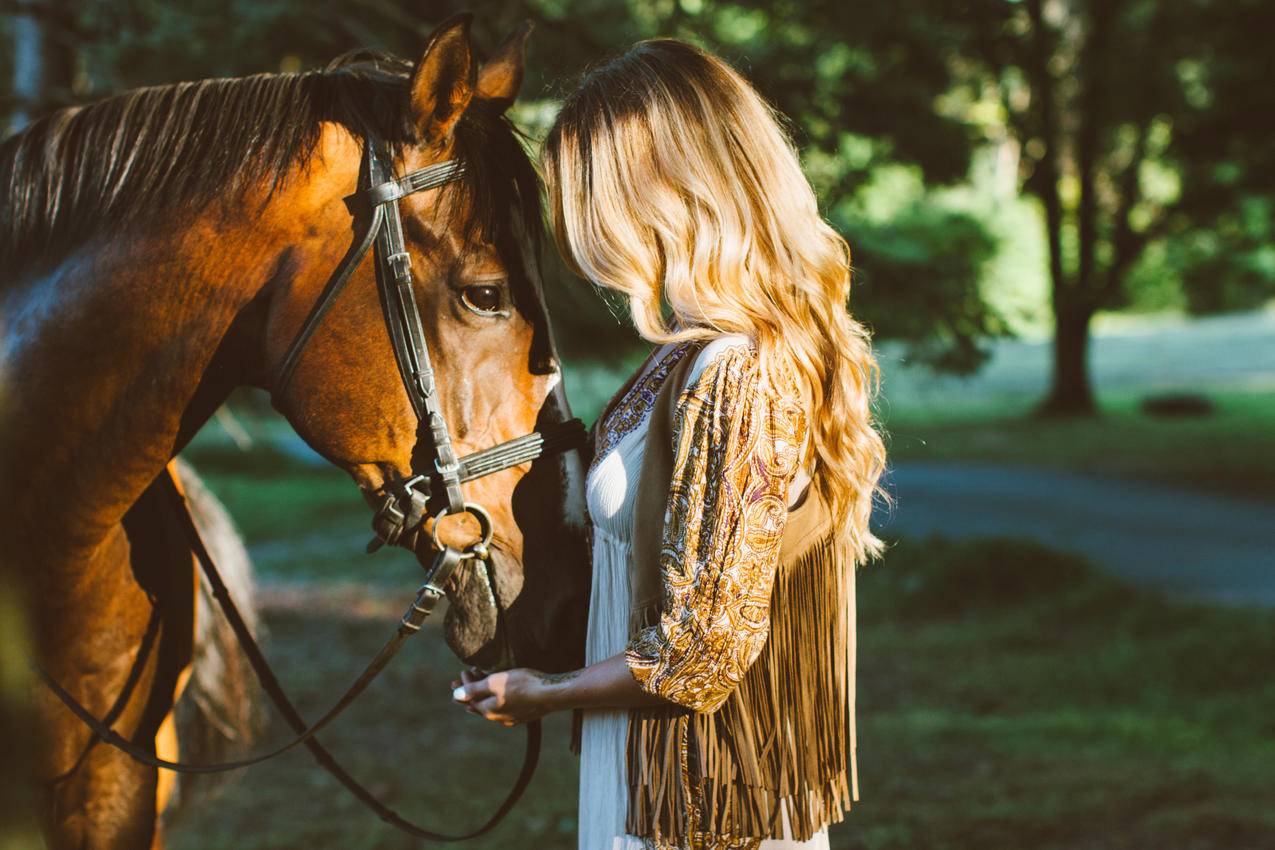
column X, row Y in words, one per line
column 783, row 741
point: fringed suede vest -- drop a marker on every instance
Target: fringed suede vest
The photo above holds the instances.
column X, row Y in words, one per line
column 785, row 738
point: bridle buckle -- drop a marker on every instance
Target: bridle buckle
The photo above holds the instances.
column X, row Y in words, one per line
column 400, row 265
column 402, row 510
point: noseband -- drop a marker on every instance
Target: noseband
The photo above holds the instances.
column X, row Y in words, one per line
column 433, row 489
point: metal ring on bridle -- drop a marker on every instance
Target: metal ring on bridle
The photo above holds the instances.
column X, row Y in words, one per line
column 479, row 547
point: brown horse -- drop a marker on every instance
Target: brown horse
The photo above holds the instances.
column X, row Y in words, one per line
column 160, row 248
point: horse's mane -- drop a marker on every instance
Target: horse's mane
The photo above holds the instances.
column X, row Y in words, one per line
column 150, row 153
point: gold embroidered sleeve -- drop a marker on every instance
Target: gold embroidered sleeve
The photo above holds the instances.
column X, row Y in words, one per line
column 737, row 451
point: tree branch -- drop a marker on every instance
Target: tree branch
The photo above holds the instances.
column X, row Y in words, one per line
column 1127, row 243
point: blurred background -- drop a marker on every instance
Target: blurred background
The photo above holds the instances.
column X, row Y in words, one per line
column 1061, row 215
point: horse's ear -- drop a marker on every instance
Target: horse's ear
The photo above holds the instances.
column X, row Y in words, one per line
column 443, row 82
column 500, row 77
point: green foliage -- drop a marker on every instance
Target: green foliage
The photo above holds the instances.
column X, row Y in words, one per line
column 1123, row 154
column 1171, row 149
column 1230, row 265
column 861, row 107
column 917, row 276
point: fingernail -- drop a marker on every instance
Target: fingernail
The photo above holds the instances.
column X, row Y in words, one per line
column 459, row 694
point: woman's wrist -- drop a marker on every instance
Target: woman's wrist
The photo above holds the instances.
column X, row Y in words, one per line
column 557, row 690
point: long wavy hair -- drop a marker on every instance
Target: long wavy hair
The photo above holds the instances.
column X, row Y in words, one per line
column 673, row 182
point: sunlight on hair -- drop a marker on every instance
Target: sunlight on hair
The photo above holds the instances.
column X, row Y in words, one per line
column 671, row 181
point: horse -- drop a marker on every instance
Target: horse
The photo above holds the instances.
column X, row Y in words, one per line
column 162, row 247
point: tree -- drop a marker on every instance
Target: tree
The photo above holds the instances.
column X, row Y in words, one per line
column 1107, row 100
column 1224, row 239
column 44, row 59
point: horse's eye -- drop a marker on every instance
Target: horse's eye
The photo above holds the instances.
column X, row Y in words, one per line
column 484, row 299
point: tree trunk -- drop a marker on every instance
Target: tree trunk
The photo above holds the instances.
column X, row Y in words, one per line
column 44, row 62
column 1070, row 393
column 28, row 69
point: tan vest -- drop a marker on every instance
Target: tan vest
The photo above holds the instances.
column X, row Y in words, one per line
column 785, row 738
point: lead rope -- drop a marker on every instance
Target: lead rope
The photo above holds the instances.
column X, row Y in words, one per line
column 443, row 568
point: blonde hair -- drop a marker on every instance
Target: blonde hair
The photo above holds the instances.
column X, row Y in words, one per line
column 672, row 181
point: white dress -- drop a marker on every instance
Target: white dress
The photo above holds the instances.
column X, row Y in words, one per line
column 611, row 488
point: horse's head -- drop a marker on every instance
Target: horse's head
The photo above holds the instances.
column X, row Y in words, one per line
column 473, row 250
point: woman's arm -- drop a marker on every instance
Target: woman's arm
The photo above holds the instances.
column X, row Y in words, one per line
column 521, row 694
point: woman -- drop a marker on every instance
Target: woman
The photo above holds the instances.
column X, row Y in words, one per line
column 733, row 476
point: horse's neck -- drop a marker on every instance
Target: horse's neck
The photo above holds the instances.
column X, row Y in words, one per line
column 111, row 361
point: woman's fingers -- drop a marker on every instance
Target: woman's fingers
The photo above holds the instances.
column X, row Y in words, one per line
column 472, row 687
column 501, row 697
column 473, row 674
column 471, row 692
column 490, row 709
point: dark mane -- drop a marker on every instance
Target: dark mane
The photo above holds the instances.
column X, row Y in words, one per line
column 148, row 154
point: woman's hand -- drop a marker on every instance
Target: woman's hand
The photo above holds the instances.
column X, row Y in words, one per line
column 519, row 695
column 508, row 697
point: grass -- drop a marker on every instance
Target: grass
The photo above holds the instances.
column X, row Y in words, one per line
column 1231, row 452
column 988, row 417
column 1009, row 697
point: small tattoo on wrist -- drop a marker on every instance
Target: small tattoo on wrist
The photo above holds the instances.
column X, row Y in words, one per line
column 558, row 678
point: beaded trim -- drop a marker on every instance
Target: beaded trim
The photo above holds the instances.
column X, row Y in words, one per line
column 633, row 408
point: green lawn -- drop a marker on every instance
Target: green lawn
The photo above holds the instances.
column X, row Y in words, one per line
column 989, row 417
column 1009, row 698
column 1231, row 452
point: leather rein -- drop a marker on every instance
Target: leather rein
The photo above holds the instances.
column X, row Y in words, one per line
column 432, row 491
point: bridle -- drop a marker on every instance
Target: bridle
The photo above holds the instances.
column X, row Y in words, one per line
column 432, row 490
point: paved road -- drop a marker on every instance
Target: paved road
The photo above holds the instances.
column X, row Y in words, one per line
column 1186, row 543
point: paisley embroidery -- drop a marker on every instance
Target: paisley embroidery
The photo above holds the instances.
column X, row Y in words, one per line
column 737, row 451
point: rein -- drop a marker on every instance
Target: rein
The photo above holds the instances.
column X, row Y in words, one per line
column 431, row 491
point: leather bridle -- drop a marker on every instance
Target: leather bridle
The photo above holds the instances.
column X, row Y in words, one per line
column 432, row 490
column 434, row 487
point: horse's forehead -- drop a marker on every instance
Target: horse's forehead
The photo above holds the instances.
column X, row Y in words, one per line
column 440, row 220
column 452, row 246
